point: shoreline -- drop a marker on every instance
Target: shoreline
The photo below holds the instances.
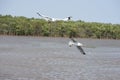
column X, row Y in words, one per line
column 58, row 37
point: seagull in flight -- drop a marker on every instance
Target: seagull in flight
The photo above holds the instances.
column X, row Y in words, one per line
column 54, row 19
column 77, row 44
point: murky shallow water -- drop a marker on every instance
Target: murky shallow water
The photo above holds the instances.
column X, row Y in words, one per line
column 38, row 58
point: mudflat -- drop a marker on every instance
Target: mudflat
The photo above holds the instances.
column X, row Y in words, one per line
column 46, row 58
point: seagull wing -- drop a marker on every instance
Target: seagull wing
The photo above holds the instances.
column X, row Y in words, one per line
column 73, row 40
column 45, row 17
column 81, row 50
column 39, row 14
column 79, row 47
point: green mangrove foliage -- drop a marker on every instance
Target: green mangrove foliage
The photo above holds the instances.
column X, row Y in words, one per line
column 10, row 25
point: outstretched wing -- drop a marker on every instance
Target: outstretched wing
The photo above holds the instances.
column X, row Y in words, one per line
column 39, row 14
column 79, row 47
column 81, row 50
column 73, row 40
column 45, row 17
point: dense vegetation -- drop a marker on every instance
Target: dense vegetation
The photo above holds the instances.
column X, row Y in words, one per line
column 10, row 25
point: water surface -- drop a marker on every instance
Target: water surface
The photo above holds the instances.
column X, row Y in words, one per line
column 42, row 58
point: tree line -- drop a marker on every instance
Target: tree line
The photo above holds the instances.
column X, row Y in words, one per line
column 20, row 25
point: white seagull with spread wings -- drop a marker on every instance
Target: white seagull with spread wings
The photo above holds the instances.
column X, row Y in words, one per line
column 77, row 44
column 54, row 19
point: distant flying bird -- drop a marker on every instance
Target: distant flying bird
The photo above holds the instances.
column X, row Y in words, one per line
column 54, row 19
column 77, row 44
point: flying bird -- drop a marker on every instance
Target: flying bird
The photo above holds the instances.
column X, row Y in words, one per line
column 77, row 44
column 53, row 19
